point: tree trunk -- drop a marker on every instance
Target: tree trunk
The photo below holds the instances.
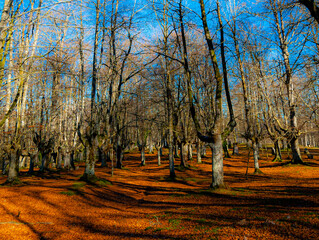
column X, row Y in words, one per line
column 159, row 156
column 119, row 157
column 143, row 156
column 13, row 167
column 284, row 144
column 112, row 160
column 4, row 166
column 199, row 155
column 102, row 157
column 225, row 148
column 203, row 151
column 54, row 156
column 184, row 154
column 217, row 162
column 255, row 152
column 176, row 150
column 9, row 80
column 32, row 160
column 190, row 151
column 59, row 160
column 171, row 159
column 4, row 32
column 89, row 172
column 277, row 152
column 72, row 160
column 22, row 161
column 67, row 161
column 296, row 157
column 151, row 147
column 43, row 162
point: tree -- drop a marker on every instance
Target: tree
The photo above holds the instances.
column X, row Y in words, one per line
column 313, row 8
column 165, row 29
column 253, row 129
column 215, row 131
column 283, row 35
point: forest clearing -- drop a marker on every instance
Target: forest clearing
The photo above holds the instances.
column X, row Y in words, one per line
column 140, row 202
column 104, row 105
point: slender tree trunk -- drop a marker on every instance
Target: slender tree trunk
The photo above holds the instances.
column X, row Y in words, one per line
column 72, row 160
column 9, row 78
column 4, row 34
column 232, row 122
column 203, row 151
column 190, row 151
column 176, row 148
column 32, row 160
column 143, row 155
column 112, row 160
column 255, row 153
column 159, row 157
column 170, row 106
column 225, row 148
column 199, row 154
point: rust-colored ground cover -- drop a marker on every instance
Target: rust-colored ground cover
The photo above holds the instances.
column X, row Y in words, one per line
column 142, row 203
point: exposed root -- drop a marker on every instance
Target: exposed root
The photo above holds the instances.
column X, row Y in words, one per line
column 89, row 178
column 218, row 187
column 13, row 182
column 258, row 171
column 277, row 159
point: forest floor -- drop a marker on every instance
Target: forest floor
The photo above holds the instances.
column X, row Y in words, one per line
column 142, row 203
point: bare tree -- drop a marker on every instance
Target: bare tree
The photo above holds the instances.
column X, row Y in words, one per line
column 313, row 8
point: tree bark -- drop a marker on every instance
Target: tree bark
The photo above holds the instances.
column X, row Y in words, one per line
column 278, row 157
column 190, row 151
column 143, row 163
column 32, row 160
column 199, row 152
column 184, row 155
column 89, row 172
column 217, row 162
column 119, row 157
column 225, row 148
column 169, row 95
column 4, row 32
column 255, row 154
column 13, row 172
column 159, row 157
column 67, row 161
